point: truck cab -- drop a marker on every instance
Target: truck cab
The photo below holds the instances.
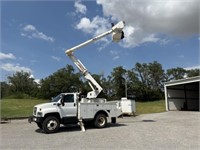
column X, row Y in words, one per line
column 61, row 110
column 67, row 106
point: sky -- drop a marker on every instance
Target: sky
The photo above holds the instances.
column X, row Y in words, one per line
column 36, row 34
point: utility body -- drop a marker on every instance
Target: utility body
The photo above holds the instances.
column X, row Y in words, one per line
column 70, row 108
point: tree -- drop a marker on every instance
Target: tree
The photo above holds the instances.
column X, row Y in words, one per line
column 107, row 87
column 22, row 83
column 5, row 89
column 118, row 82
column 133, row 84
column 175, row 73
column 150, row 76
column 156, row 75
column 193, row 72
column 142, row 72
column 63, row 80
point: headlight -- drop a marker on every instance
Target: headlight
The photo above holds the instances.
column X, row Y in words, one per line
column 39, row 114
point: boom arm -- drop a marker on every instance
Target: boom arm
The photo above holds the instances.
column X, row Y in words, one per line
column 117, row 35
column 96, row 88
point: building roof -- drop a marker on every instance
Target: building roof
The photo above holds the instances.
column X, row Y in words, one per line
column 183, row 81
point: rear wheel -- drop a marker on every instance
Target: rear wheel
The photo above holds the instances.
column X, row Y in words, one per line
column 100, row 121
column 51, row 124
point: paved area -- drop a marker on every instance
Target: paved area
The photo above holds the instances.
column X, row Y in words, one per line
column 160, row 131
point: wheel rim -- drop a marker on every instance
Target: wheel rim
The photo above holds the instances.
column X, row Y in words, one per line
column 101, row 121
column 52, row 124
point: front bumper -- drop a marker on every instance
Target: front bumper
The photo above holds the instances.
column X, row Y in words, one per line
column 35, row 119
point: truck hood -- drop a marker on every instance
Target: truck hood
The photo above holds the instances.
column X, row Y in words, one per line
column 45, row 108
column 45, row 105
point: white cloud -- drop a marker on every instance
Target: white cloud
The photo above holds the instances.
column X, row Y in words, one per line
column 150, row 38
column 94, row 27
column 56, row 58
column 116, row 57
column 135, row 37
column 80, row 8
column 7, row 56
column 192, row 67
column 115, row 54
column 86, row 25
column 14, row 68
column 29, row 28
column 36, row 80
column 30, row 31
column 149, row 18
column 164, row 41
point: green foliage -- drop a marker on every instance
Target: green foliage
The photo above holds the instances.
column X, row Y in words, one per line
column 20, row 85
column 144, row 82
column 63, row 80
column 118, row 82
column 5, row 89
column 150, row 84
column 193, row 72
column 175, row 73
column 12, row 108
column 150, row 107
column 18, row 95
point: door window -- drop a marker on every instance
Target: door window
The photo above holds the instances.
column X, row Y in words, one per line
column 69, row 98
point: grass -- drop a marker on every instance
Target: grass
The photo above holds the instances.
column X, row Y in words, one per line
column 150, row 107
column 17, row 108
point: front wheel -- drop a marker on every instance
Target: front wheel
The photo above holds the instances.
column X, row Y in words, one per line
column 51, row 124
column 100, row 121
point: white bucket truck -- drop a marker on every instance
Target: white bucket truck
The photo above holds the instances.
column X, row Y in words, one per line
column 69, row 108
column 66, row 108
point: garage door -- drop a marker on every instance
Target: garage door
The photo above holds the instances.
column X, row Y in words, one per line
column 182, row 96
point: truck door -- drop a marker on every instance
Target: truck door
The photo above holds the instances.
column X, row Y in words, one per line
column 70, row 108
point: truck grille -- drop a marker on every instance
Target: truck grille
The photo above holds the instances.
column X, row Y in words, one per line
column 34, row 111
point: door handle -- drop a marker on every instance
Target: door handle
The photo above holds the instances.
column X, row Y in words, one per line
column 74, row 104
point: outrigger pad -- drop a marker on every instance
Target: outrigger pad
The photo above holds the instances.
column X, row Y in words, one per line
column 82, row 125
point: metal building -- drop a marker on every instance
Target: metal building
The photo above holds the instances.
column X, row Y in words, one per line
column 182, row 94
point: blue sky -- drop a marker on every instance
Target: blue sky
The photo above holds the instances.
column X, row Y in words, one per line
column 35, row 34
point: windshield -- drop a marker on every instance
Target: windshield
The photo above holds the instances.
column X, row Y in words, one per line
column 57, row 98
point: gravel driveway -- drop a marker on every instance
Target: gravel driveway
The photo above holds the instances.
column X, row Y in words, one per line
column 162, row 131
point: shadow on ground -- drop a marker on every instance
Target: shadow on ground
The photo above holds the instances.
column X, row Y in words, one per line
column 76, row 128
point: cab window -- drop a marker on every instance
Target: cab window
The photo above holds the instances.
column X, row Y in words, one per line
column 69, row 98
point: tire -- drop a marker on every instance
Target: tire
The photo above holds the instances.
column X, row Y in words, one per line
column 39, row 125
column 51, row 124
column 100, row 121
